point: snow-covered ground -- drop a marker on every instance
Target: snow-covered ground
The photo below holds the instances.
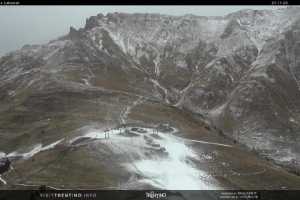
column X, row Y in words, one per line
column 173, row 172
column 35, row 150
column 159, row 158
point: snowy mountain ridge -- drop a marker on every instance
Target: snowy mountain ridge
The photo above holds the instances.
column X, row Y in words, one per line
column 240, row 73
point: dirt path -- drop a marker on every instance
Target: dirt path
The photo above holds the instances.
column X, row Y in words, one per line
column 211, row 143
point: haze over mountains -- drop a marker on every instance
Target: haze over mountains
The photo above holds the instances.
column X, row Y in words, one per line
column 232, row 82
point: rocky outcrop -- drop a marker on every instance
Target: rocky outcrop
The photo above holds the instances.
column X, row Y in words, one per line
column 4, row 163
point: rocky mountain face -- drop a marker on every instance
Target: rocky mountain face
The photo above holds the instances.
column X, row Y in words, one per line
column 240, row 70
column 240, row 73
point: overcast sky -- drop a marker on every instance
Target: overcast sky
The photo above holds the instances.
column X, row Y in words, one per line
column 20, row 25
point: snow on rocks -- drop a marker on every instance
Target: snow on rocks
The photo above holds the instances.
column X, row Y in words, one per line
column 4, row 166
column 4, row 163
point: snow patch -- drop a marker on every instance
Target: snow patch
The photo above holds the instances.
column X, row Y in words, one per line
column 86, row 82
column 2, row 180
column 161, row 159
column 12, row 93
column 36, row 149
column 128, row 109
column 157, row 84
